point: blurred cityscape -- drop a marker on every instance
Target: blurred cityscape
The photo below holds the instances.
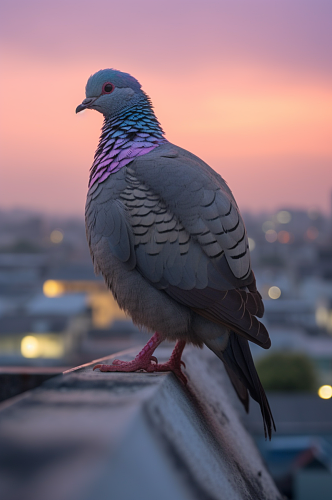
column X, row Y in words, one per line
column 56, row 314
column 54, row 311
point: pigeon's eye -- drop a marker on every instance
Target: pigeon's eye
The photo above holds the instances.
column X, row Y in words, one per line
column 108, row 88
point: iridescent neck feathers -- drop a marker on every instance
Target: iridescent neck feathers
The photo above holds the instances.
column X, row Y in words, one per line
column 134, row 132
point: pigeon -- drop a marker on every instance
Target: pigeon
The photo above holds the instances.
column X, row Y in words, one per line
column 165, row 232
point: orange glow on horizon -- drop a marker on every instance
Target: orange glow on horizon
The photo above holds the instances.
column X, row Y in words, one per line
column 240, row 120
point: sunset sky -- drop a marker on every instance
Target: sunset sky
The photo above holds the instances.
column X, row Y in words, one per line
column 244, row 84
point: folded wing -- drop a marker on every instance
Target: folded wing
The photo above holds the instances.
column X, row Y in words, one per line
column 177, row 221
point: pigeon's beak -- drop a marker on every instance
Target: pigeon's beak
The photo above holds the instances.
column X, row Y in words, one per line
column 86, row 104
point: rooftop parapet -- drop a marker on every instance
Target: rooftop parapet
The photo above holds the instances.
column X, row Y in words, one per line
column 88, row 435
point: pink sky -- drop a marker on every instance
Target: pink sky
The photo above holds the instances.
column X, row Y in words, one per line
column 244, row 85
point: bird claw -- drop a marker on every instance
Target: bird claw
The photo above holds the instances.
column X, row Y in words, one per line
column 139, row 368
column 146, row 362
column 124, row 366
column 183, row 363
column 168, row 367
column 117, row 362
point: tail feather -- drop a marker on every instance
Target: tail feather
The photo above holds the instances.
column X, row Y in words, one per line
column 238, row 355
column 239, row 387
column 244, row 377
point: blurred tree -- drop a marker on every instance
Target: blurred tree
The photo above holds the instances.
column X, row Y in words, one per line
column 289, row 372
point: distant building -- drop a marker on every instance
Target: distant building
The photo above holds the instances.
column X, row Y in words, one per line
column 299, row 456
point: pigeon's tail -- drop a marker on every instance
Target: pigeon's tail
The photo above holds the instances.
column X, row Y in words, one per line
column 244, row 377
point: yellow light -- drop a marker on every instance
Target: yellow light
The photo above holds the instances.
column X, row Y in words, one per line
column 274, row 292
column 30, row 347
column 43, row 346
column 271, row 236
column 104, row 309
column 251, row 244
column 283, row 217
column 53, row 288
column 329, row 323
column 56, row 236
column 51, row 346
column 325, row 392
column 322, row 316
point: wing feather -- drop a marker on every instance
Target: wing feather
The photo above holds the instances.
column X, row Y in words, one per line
column 177, row 221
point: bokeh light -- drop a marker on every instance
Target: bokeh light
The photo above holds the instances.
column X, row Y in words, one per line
column 322, row 316
column 252, row 244
column 271, row 236
column 56, row 236
column 52, row 288
column 284, row 217
column 274, row 292
column 43, row 346
column 284, row 237
column 30, row 347
column 312, row 233
column 325, row 392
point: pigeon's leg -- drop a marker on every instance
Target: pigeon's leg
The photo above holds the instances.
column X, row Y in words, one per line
column 173, row 364
column 143, row 360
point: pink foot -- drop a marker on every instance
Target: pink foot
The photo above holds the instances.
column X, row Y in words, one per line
column 143, row 360
column 173, row 364
column 149, row 363
column 169, row 367
column 123, row 363
column 125, row 366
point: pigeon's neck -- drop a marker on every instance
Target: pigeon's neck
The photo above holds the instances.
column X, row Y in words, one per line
column 133, row 132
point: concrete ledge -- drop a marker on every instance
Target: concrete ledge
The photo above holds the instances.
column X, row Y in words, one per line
column 86, row 435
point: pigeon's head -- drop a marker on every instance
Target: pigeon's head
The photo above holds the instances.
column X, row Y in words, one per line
column 109, row 91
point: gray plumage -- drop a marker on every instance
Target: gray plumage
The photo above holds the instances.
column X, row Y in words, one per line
column 167, row 235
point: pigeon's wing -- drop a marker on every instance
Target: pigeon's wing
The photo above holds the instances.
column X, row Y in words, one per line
column 190, row 239
column 201, row 200
column 176, row 221
column 106, row 219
